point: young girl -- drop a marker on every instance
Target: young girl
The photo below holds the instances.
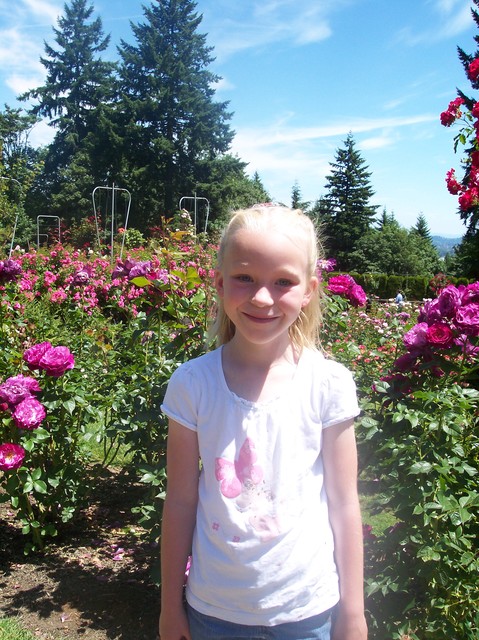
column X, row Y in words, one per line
column 262, row 456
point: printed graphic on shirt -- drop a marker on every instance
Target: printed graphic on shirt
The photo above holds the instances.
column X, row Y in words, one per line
column 243, row 481
column 233, row 475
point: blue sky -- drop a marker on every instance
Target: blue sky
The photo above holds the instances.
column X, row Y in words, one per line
column 301, row 74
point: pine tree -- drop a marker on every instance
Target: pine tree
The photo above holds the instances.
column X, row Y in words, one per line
column 344, row 211
column 77, row 80
column 296, row 199
column 78, row 85
column 421, row 228
column 174, row 129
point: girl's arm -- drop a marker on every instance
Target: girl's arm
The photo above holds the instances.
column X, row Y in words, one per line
column 178, row 523
column 340, row 476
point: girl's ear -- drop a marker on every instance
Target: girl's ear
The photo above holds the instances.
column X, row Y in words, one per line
column 308, row 294
column 219, row 283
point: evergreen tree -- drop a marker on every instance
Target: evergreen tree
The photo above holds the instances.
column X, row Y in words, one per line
column 386, row 218
column 296, row 199
column 174, row 129
column 344, row 211
column 422, row 228
column 78, row 85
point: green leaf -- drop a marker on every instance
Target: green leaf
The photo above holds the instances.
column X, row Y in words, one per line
column 141, row 281
column 420, row 467
column 69, row 405
column 40, row 486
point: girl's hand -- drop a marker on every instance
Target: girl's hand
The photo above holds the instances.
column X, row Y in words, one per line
column 347, row 627
column 174, row 626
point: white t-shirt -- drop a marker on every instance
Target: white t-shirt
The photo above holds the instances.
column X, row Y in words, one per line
column 263, row 545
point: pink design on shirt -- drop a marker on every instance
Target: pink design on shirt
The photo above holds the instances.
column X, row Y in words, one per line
column 233, row 475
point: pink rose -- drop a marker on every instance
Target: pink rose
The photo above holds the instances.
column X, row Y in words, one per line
column 470, row 293
column 56, row 361
column 431, row 312
column 340, row 284
column 416, row 338
column 356, row 296
column 11, row 456
column 33, row 355
column 449, row 301
column 29, row 414
column 440, row 334
column 27, row 381
column 13, row 392
column 467, row 318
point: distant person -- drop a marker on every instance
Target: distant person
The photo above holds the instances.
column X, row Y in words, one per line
column 400, row 299
column 271, row 516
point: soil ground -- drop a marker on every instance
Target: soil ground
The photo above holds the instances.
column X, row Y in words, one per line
column 94, row 579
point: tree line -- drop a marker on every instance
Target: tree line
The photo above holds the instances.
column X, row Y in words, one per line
column 150, row 121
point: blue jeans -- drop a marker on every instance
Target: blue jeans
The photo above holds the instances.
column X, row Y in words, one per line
column 204, row 627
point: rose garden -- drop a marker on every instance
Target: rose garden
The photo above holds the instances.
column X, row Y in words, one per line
column 90, row 337
column 88, row 347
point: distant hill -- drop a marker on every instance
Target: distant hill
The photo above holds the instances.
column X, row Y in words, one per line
column 445, row 245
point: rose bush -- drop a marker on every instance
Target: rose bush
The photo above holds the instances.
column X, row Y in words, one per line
column 422, row 424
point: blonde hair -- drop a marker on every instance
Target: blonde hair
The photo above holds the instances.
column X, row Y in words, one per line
column 304, row 332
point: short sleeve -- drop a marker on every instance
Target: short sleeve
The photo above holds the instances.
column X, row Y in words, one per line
column 342, row 401
column 180, row 402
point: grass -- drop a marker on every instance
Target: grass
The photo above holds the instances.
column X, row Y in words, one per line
column 11, row 629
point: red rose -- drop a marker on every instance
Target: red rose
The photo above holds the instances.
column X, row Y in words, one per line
column 440, row 334
column 473, row 70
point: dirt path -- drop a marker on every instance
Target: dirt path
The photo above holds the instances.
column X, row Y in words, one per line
column 93, row 583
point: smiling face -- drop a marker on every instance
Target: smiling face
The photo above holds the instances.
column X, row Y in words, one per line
column 263, row 283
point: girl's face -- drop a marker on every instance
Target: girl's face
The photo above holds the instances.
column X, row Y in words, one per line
column 264, row 284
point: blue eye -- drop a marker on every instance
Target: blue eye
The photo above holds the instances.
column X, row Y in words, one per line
column 284, row 282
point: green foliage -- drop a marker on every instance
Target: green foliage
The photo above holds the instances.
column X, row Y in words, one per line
column 394, row 250
column 422, row 573
column 11, row 629
column 344, row 213
column 78, row 84
column 170, row 115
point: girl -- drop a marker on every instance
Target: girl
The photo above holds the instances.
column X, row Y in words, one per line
column 262, row 456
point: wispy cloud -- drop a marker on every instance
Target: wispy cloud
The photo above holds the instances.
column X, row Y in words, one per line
column 252, row 24
column 448, row 19
column 283, row 153
column 21, row 41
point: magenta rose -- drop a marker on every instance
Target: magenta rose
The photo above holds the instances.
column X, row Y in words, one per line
column 440, row 334
column 340, row 284
column 416, row 338
column 29, row 414
column 33, row 355
column 467, row 318
column 27, row 381
column 470, row 293
column 56, row 361
column 431, row 312
column 449, row 301
column 13, row 392
column 407, row 361
column 356, row 296
column 11, row 456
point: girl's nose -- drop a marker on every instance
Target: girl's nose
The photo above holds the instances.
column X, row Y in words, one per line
column 262, row 297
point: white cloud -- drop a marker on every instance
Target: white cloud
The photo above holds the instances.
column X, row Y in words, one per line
column 48, row 11
column 454, row 18
column 236, row 27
